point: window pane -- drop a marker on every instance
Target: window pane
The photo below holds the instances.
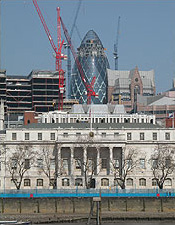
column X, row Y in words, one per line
column 52, row 136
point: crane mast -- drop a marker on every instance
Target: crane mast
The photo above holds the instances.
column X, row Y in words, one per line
column 69, row 52
column 116, row 46
column 57, row 50
column 89, row 86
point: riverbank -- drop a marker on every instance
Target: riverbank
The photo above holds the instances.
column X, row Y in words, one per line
column 106, row 216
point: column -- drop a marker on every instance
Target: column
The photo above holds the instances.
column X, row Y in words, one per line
column 71, row 161
column 111, row 160
column 98, row 160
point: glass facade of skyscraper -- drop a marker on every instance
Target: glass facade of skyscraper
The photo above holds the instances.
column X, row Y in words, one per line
column 94, row 63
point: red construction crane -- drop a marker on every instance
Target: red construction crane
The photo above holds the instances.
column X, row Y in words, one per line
column 89, row 86
column 57, row 50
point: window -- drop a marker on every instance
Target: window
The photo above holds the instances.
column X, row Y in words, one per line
column 40, row 136
column 14, row 164
column 116, row 163
column 27, row 164
column 26, row 136
column 154, row 182
column 77, row 164
column 14, row 136
column 65, row 182
column 154, row 163
column 52, row 182
column 52, row 136
column 65, row 135
column 78, row 182
column 104, row 163
column 142, row 136
column 104, row 182
column 116, row 135
column 142, row 163
column 90, row 164
column 26, row 182
column 129, row 136
column 103, row 134
column 129, row 163
column 168, row 182
column 0, row 166
column 167, row 136
column 78, row 134
column 129, row 182
column 154, row 136
column 40, row 163
column 52, row 163
column 39, row 182
column 142, row 182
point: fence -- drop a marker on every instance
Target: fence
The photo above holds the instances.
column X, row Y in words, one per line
column 48, row 193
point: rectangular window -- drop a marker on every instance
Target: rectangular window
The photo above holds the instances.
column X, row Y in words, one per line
column 26, row 136
column 14, row 136
column 26, row 182
column 116, row 135
column 104, row 163
column 129, row 163
column 142, row 163
column 0, row 166
column 40, row 163
column 116, row 163
column 65, row 135
column 142, row 136
column 27, row 164
column 40, row 136
column 39, row 182
column 129, row 136
column 52, row 163
column 14, row 164
column 103, row 135
column 154, row 136
column 167, row 136
column 77, row 164
column 78, row 134
column 52, row 136
column 154, row 163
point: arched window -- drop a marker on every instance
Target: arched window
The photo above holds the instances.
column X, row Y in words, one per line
column 78, row 182
column 154, row 182
column 39, row 182
column 129, row 182
column 142, row 182
column 104, row 182
column 65, row 182
column 168, row 182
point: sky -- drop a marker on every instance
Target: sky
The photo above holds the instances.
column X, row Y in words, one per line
column 146, row 39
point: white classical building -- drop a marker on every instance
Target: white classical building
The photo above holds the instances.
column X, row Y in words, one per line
column 101, row 137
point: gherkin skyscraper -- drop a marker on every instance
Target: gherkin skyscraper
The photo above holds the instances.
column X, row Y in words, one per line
column 94, row 62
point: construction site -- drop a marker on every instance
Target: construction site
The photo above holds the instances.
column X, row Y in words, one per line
column 89, row 81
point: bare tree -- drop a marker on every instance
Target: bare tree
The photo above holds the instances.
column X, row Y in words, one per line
column 48, row 162
column 19, row 162
column 87, row 161
column 162, row 164
column 122, row 168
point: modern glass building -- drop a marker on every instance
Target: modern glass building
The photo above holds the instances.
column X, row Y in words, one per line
column 94, row 63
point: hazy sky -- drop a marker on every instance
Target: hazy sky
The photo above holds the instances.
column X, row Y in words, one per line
column 147, row 34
